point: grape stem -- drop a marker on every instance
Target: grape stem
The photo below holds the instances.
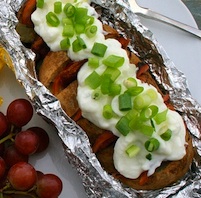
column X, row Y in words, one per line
column 9, row 136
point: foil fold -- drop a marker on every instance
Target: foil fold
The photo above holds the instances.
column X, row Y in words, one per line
column 77, row 149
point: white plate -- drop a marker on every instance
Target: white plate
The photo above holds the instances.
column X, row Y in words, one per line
column 52, row 160
column 181, row 47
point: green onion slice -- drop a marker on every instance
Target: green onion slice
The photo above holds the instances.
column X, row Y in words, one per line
column 161, row 117
column 149, row 112
column 141, row 101
column 57, row 7
column 167, row 135
column 146, row 129
column 52, row 19
column 96, row 95
column 152, row 144
column 134, row 91
column 149, row 156
column 40, row 3
column 114, row 89
column 123, row 126
column 91, row 31
column 93, row 62
column 114, row 61
column 99, row 49
column 107, row 111
column 125, row 103
column 93, row 80
column 69, row 10
column 132, row 150
column 130, row 82
column 65, row 44
column 106, row 83
column 113, row 72
column 68, row 30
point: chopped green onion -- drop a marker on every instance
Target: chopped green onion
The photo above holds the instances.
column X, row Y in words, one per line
column 135, row 123
column 114, row 61
column 65, row 44
column 152, row 144
column 91, row 31
column 78, row 44
column 79, row 28
column 134, row 91
column 107, row 111
column 93, row 62
column 81, row 16
column 96, row 95
column 114, row 72
column 160, row 117
column 90, row 20
column 141, row 101
column 132, row 114
column 152, row 94
column 69, row 10
column 149, row 112
column 114, row 89
column 40, row 3
column 123, row 126
column 146, row 130
column 68, row 30
column 57, row 7
column 130, row 82
column 67, row 21
column 132, row 150
column 93, row 80
column 52, row 19
column 167, row 135
column 99, row 49
column 106, row 83
column 149, row 156
column 125, row 103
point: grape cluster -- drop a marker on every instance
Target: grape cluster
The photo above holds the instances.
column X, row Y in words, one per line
column 17, row 175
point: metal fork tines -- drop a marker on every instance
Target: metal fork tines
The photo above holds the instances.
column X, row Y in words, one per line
column 146, row 12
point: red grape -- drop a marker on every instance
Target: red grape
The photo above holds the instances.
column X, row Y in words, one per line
column 22, row 176
column 3, row 124
column 43, row 138
column 49, row 186
column 19, row 112
column 26, row 142
column 2, row 167
column 13, row 156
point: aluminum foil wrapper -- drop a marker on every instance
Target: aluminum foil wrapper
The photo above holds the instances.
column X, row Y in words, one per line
column 96, row 181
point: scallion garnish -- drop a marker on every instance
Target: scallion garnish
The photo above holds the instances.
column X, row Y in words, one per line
column 114, row 89
column 69, row 10
column 166, row 135
column 134, row 91
column 146, row 129
column 68, row 30
column 114, row 61
column 107, row 111
column 132, row 150
column 113, row 72
column 93, row 80
column 152, row 144
column 149, row 156
column 105, row 84
column 52, row 19
column 78, row 44
column 91, row 31
column 149, row 112
column 65, row 44
column 79, row 28
column 40, row 3
column 99, row 49
column 93, row 62
column 125, row 103
column 123, row 126
column 141, row 101
column 57, row 7
column 160, row 117
column 130, row 82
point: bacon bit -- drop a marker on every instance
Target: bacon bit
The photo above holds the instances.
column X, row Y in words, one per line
column 104, row 140
column 143, row 178
column 77, row 115
column 124, row 42
column 29, row 8
column 66, row 76
column 142, row 69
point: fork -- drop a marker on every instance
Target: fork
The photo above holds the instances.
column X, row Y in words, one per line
column 146, row 12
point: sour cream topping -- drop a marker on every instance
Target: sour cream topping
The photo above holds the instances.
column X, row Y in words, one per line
column 92, row 109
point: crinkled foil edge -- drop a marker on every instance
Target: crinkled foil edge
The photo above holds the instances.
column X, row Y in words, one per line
column 96, row 181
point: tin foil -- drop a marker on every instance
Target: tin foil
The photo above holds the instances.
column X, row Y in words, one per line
column 77, row 149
